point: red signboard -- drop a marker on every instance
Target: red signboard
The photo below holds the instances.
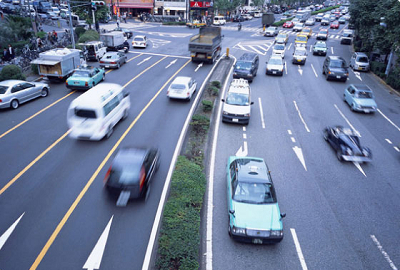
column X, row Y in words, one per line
column 207, row 4
column 196, row 4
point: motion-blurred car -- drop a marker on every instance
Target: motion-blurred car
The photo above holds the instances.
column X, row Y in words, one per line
column 139, row 41
column 334, row 25
column 254, row 214
column 182, row 88
column 15, row 92
column 131, row 173
column 299, row 55
column 113, row 60
column 275, row 66
column 359, row 61
column 288, row 24
column 360, row 98
column 323, row 34
column 85, row 78
column 320, row 48
column 271, row 31
column 335, row 67
column 282, row 38
column 279, row 49
column 347, row 145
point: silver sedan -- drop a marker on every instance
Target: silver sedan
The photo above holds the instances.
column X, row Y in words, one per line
column 15, row 92
column 113, row 60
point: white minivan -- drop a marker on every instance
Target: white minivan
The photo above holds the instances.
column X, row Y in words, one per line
column 219, row 20
column 93, row 115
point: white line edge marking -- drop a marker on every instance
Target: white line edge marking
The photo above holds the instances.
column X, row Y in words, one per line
column 261, row 113
column 379, row 246
column 94, row 259
column 210, row 194
column 301, row 117
column 8, row 232
column 388, row 141
column 298, row 249
column 390, row 121
column 348, row 122
column 157, row 218
column 314, row 70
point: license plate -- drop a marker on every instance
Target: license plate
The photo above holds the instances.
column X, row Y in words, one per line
column 235, row 120
column 366, row 111
column 257, row 241
column 107, row 66
column 338, row 77
column 360, row 68
column 298, row 60
column 76, row 82
column 273, row 72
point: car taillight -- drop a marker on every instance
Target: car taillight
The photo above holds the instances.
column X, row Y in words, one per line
column 107, row 175
column 113, row 63
column 1, row 100
column 101, row 62
column 86, row 84
column 66, row 83
column 142, row 178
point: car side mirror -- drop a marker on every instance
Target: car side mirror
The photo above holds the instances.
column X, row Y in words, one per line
column 232, row 212
column 283, row 215
column 223, row 100
column 251, row 103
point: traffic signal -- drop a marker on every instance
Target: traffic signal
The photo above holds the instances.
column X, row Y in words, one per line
column 98, row 3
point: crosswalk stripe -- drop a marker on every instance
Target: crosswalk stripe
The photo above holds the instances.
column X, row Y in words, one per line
column 256, row 50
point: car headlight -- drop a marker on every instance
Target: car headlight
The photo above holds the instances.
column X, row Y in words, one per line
column 347, row 74
column 349, row 152
column 237, row 230
column 224, row 112
column 247, row 114
column 276, row 233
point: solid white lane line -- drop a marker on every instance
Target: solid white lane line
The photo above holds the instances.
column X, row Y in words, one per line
column 6, row 234
column 244, row 136
column 390, row 121
column 290, row 45
column 289, row 131
column 301, row 117
column 261, row 113
column 348, row 122
column 293, row 139
column 388, row 141
column 310, row 48
column 358, row 166
column 298, row 249
column 94, row 259
column 314, row 70
column 384, row 253
column 332, row 49
column 285, row 68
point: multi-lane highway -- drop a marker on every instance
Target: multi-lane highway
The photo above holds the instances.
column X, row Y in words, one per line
column 53, row 208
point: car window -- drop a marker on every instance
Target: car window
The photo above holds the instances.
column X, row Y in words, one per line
column 362, row 59
column 84, row 113
column 111, row 105
column 243, row 65
column 127, row 175
column 363, row 94
column 3, row 89
column 81, row 73
column 275, row 61
column 237, row 99
column 255, row 193
column 27, row 85
column 178, row 86
column 279, row 47
column 16, row 88
column 337, row 64
column 138, row 39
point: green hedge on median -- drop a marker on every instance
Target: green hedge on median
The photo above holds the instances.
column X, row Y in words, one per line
column 179, row 241
column 174, row 23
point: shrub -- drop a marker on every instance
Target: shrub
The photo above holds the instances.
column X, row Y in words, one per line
column 35, row 69
column 394, row 79
column 89, row 35
column 179, row 240
column 11, row 72
column 377, row 67
column 41, row 34
column 200, row 123
column 174, row 23
column 216, row 84
column 79, row 31
column 207, row 105
column 213, row 90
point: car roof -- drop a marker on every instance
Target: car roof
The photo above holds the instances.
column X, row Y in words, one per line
column 252, row 170
column 362, row 87
column 240, row 86
column 11, row 82
column 129, row 156
column 361, row 54
column 247, row 56
column 181, row 79
column 139, row 36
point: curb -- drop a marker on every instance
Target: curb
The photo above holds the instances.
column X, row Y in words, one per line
column 391, row 90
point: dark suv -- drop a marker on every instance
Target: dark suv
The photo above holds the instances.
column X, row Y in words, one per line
column 335, row 67
column 246, row 67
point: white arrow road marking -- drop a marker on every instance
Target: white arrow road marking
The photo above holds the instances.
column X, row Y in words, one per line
column 358, row 75
column 9, row 231
column 359, row 167
column 199, row 66
column 170, row 64
column 314, row 70
column 300, row 70
column 298, row 249
column 242, row 152
column 261, row 113
column 94, row 260
column 299, row 154
column 348, row 122
column 144, row 60
column 301, row 117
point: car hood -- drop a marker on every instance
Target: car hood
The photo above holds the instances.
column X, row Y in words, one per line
column 270, row 66
column 269, row 32
column 320, row 48
column 257, row 216
column 338, row 70
column 366, row 102
column 235, row 109
column 351, row 143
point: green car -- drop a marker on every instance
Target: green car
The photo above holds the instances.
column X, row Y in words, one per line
column 85, row 78
column 254, row 214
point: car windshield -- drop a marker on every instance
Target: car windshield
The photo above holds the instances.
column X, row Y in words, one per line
column 237, row 99
column 178, row 86
column 254, row 193
column 300, row 52
column 306, row 30
column 301, row 38
column 275, row 61
column 320, row 45
column 281, row 36
column 363, row 59
column 138, row 39
column 364, row 94
column 298, row 25
column 243, row 65
column 271, row 29
column 324, row 32
column 337, row 64
column 81, row 73
column 3, row 89
column 279, row 47
column 347, row 34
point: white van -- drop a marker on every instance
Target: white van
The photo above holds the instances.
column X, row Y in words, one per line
column 93, row 115
column 219, row 20
column 237, row 104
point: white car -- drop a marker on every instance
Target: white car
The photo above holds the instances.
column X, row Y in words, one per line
column 182, row 88
column 247, row 16
column 55, row 10
column 237, row 104
column 279, row 49
column 219, row 20
column 275, row 65
column 310, row 22
column 139, row 42
column 298, row 27
column 271, row 31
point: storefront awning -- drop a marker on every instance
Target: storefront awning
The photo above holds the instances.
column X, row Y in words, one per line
column 135, row 5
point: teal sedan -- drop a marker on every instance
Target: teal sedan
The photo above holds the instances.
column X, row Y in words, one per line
column 85, row 78
column 254, row 214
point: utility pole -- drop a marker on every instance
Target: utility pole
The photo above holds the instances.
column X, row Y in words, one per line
column 70, row 25
column 32, row 21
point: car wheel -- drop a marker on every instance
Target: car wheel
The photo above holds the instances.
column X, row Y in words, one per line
column 14, row 104
column 352, row 107
column 323, row 72
column 325, row 135
column 104, row 77
column 118, row 65
column 339, row 155
column 125, row 115
column 229, row 227
column 93, row 84
column 109, row 132
column 146, row 196
column 44, row 92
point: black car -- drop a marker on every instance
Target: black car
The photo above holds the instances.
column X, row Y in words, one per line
column 347, row 145
column 131, row 173
column 127, row 33
column 335, row 67
column 246, row 67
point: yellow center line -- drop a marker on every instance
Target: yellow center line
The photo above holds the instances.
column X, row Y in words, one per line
column 36, row 114
column 89, row 183
column 61, row 138
column 108, row 71
column 33, row 162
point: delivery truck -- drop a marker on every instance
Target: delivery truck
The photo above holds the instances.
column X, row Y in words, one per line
column 206, row 46
column 57, row 64
column 115, row 41
column 267, row 19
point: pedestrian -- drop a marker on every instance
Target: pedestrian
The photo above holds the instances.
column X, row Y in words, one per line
column 55, row 36
column 5, row 55
column 49, row 37
column 124, row 17
column 39, row 42
column 118, row 23
column 11, row 52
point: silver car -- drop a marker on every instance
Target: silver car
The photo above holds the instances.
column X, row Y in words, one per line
column 15, row 92
column 113, row 60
